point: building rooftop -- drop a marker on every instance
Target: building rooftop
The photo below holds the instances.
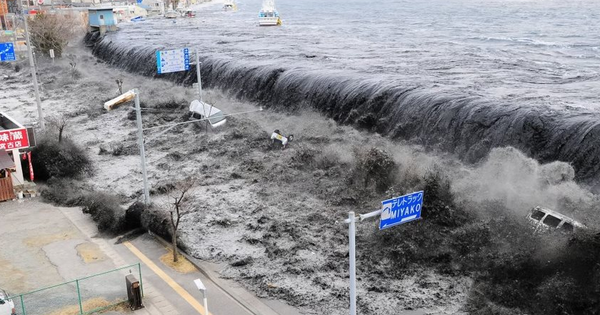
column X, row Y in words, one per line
column 7, row 122
column 100, row 9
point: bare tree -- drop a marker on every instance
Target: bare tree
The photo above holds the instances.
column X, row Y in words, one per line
column 72, row 61
column 75, row 74
column 60, row 123
column 120, row 85
column 54, row 31
column 178, row 208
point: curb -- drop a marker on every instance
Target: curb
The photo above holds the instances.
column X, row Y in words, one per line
column 211, row 276
column 154, row 303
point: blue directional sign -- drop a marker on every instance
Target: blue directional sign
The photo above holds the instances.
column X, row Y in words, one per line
column 401, row 210
column 7, row 52
column 172, row 60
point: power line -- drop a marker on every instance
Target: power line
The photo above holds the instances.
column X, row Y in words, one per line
column 197, row 120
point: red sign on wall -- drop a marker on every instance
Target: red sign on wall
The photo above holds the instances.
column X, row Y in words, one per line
column 14, row 139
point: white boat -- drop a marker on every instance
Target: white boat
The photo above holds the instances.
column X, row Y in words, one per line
column 172, row 14
column 268, row 15
column 189, row 13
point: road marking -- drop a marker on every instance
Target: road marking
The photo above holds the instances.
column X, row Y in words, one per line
column 159, row 272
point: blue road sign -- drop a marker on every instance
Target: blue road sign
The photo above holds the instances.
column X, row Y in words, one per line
column 401, row 210
column 172, row 60
column 7, row 52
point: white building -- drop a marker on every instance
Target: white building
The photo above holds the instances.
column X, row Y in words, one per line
column 157, row 7
column 127, row 12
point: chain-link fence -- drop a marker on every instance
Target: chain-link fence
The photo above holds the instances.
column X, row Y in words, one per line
column 81, row 296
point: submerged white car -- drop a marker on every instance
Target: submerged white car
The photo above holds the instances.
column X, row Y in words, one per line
column 201, row 110
column 7, row 307
column 545, row 220
column 230, row 6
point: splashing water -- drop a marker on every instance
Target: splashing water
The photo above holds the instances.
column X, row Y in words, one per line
column 463, row 76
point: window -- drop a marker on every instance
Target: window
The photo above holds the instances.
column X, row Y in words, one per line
column 552, row 221
column 567, row 227
column 215, row 118
column 101, row 17
column 537, row 215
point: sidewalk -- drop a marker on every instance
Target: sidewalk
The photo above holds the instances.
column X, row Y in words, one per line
column 210, row 273
column 167, row 291
column 154, row 302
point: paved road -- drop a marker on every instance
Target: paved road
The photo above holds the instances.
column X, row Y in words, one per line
column 167, row 291
column 40, row 248
column 219, row 303
column 45, row 245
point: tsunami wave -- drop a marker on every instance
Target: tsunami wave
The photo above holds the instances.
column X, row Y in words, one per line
column 464, row 125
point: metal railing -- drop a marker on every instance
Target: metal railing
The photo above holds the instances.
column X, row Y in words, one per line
column 80, row 296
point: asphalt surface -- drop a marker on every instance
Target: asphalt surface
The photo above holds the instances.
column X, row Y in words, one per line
column 218, row 301
column 45, row 245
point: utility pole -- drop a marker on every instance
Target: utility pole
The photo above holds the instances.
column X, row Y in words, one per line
column 34, row 73
column 352, row 256
column 198, row 64
column 14, row 28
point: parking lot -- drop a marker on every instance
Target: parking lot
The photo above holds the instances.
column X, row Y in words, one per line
column 40, row 248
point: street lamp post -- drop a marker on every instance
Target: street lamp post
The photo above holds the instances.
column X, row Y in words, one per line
column 113, row 103
column 138, row 114
column 202, row 289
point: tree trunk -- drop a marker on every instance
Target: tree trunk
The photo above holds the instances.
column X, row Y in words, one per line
column 174, row 243
column 174, row 236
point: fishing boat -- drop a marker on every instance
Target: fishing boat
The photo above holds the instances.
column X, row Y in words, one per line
column 172, row 14
column 268, row 15
column 189, row 13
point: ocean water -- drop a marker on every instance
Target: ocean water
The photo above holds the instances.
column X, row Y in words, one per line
column 460, row 76
column 540, row 52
